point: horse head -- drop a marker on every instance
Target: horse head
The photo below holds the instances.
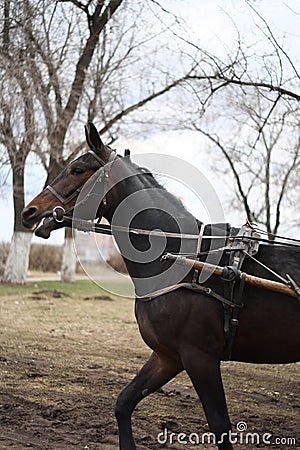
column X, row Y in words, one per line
column 60, row 196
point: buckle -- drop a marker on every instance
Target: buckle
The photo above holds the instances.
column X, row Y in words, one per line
column 58, row 213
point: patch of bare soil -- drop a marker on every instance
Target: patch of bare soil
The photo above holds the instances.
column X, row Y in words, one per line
column 63, row 363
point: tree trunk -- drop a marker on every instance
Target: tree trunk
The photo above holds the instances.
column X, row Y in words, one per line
column 18, row 258
column 68, row 267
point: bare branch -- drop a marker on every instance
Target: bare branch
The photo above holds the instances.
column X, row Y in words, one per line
column 85, row 59
column 256, row 84
column 295, row 164
column 141, row 103
column 266, row 119
column 274, row 40
column 234, row 171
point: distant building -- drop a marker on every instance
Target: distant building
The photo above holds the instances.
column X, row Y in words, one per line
column 94, row 247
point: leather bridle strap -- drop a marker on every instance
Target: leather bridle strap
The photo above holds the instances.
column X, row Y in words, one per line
column 100, row 160
column 66, row 200
column 63, row 200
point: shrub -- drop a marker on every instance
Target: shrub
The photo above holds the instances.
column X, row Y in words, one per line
column 117, row 262
column 4, row 249
column 45, row 258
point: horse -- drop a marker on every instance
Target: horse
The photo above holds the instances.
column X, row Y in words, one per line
column 183, row 328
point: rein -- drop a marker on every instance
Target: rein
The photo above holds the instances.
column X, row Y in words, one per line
column 59, row 214
column 88, row 226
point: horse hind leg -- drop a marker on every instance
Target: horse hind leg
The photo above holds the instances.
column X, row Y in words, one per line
column 204, row 372
column 157, row 371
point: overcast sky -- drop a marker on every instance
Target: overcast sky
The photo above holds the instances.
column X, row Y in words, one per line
column 213, row 22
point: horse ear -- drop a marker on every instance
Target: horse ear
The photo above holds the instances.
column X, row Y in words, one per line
column 93, row 138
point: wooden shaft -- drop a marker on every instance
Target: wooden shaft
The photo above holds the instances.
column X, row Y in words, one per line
column 249, row 279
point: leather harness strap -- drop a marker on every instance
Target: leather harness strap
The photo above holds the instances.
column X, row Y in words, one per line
column 199, row 242
column 190, row 286
column 234, row 283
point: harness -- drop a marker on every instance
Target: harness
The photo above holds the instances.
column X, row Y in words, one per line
column 239, row 246
column 234, row 284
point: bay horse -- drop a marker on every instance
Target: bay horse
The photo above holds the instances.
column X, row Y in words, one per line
column 183, row 328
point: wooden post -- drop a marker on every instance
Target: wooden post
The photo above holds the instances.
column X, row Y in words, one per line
column 217, row 270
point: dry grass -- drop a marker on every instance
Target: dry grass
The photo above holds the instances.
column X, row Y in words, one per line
column 68, row 350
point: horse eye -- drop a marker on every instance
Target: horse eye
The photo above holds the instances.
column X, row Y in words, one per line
column 76, row 171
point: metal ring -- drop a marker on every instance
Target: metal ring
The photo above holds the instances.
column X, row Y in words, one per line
column 58, row 216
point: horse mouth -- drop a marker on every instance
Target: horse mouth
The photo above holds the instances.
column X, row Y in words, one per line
column 38, row 222
column 42, row 224
column 48, row 225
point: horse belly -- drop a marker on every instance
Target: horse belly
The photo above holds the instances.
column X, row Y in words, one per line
column 179, row 319
column 268, row 329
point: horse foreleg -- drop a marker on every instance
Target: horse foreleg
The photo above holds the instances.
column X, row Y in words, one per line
column 204, row 372
column 155, row 373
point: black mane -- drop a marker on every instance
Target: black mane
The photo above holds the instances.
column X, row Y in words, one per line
column 148, row 180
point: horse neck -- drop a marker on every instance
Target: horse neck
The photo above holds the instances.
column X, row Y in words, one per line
column 145, row 205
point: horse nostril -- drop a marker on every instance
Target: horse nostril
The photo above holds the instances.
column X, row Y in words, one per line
column 27, row 213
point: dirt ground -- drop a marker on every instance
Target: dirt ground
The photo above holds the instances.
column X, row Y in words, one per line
column 65, row 356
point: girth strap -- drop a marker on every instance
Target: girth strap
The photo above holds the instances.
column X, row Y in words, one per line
column 191, row 286
column 234, row 283
column 233, row 291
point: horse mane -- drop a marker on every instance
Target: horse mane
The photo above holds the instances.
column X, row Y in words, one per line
column 146, row 177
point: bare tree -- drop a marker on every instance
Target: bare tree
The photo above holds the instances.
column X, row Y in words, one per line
column 17, row 127
column 246, row 102
column 263, row 157
column 78, row 62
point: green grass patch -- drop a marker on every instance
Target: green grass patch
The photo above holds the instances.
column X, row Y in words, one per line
column 79, row 288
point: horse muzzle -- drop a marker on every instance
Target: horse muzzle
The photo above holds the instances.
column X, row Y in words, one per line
column 31, row 219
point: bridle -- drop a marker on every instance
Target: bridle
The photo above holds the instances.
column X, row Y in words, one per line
column 58, row 211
